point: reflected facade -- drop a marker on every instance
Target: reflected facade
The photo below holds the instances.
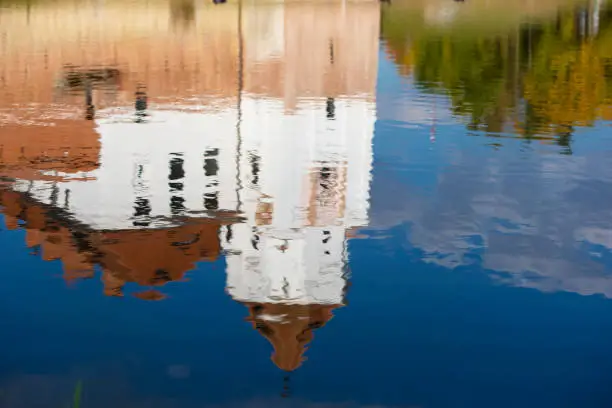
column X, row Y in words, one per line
column 304, row 166
column 253, row 154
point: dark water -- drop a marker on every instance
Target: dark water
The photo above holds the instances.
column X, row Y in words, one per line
column 306, row 204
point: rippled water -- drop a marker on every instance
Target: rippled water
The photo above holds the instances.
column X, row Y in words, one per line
column 306, row 204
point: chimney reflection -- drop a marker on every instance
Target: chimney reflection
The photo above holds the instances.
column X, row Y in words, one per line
column 141, row 104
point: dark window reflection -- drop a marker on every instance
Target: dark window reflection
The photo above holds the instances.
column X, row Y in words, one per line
column 211, row 201
column 67, row 198
column 331, row 108
column 177, row 205
column 255, row 240
column 142, row 210
column 177, row 172
column 176, row 168
column 141, row 104
column 229, row 234
column 89, row 106
column 211, row 167
column 325, row 175
column 255, row 160
column 142, row 207
column 211, row 152
column 175, row 186
column 54, row 195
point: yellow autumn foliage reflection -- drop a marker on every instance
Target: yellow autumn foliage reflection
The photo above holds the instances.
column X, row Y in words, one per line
column 539, row 78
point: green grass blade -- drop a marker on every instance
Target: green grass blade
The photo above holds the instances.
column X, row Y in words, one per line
column 76, row 400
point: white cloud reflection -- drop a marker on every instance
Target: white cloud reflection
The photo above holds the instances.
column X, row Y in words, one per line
column 533, row 220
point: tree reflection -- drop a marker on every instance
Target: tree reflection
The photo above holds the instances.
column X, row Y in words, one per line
column 537, row 80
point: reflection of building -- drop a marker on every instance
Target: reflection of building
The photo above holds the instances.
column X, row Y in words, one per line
column 149, row 211
column 152, row 173
column 305, row 159
column 142, row 201
column 46, row 132
column 267, row 119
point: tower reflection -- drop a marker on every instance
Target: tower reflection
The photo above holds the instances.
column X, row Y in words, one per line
column 304, row 166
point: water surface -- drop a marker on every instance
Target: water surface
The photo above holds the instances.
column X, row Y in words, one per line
column 306, row 204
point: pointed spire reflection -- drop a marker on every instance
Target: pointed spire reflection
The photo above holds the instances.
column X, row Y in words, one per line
column 289, row 329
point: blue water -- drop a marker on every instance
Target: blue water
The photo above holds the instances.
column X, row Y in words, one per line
column 483, row 279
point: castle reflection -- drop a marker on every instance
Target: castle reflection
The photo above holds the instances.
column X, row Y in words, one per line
column 137, row 157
